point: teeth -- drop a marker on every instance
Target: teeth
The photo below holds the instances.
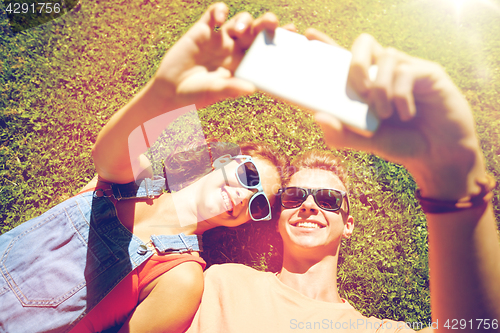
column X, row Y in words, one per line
column 307, row 225
column 227, row 202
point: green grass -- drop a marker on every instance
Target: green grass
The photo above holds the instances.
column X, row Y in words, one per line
column 61, row 82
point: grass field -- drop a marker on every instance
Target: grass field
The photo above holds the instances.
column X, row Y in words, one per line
column 61, row 82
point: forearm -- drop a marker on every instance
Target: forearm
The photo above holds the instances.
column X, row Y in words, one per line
column 437, row 143
column 464, row 249
column 464, row 257
column 113, row 154
column 196, row 70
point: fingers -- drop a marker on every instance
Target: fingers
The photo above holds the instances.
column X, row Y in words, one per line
column 363, row 50
column 243, row 27
column 239, row 25
column 313, row 34
column 268, row 21
column 403, row 99
column 235, row 88
column 224, row 85
column 382, row 86
column 215, row 15
column 290, row 27
column 337, row 136
column 392, row 89
column 395, row 144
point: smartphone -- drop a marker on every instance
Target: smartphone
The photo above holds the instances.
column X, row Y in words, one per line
column 310, row 74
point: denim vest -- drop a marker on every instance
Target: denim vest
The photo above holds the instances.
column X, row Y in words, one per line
column 56, row 267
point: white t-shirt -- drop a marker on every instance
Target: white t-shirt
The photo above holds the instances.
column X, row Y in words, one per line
column 240, row 299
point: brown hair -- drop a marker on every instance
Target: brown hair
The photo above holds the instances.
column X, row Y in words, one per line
column 265, row 152
column 316, row 159
column 186, row 167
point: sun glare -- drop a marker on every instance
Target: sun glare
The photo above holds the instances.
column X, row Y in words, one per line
column 459, row 3
column 460, row 6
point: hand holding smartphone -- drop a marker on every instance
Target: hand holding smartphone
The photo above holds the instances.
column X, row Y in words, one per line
column 311, row 74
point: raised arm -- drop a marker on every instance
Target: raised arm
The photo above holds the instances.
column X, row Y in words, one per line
column 428, row 127
column 197, row 70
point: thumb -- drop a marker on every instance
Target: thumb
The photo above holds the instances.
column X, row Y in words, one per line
column 332, row 129
column 231, row 88
column 337, row 135
column 328, row 123
column 313, row 34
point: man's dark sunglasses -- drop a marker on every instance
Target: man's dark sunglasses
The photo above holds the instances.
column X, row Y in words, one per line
column 328, row 199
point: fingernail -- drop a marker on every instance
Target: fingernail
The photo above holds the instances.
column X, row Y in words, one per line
column 240, row 26
column 321, row 121
column 327, row 122
column 319, row 118
column 221, row 17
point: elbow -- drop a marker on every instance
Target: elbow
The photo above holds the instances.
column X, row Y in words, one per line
column 99, row 163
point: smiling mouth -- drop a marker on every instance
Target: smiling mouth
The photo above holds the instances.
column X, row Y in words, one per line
column 228, row 205
column 308, row 224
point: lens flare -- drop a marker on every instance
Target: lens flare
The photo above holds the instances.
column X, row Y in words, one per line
column 460, row 6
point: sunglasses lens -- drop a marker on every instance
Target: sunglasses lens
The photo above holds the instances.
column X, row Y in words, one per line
column 248, row 174
column 329, row 199
column 293, row 197
column 259, row 207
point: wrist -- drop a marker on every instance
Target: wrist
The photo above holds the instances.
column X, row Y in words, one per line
column 162, row 89
column 155, row 99
column 473, row 200
column 452, row 186
column 454, row 180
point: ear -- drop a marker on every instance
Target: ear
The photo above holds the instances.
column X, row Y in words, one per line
column 348, row 227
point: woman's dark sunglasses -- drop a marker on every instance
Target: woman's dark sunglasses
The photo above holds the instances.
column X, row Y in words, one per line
column 248, row 176
column 328, row 199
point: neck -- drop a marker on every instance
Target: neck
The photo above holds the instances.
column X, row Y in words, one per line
column 182, row 206
column 316, row 279
column 174, row 214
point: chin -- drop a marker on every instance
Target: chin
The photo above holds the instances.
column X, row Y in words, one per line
column 227, row 220
column 305, row 242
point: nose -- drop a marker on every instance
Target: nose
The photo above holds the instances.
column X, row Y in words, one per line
column 239, row 194
column 309, row 205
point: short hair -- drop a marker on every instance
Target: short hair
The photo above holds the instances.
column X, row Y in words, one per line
column 316, row 159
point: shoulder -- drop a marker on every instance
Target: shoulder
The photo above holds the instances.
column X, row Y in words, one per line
column 372, row 324
column 231, row 268
column 388, row 325
column 233, row 272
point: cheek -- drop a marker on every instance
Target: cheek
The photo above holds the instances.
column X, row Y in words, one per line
column 336, row 223
column 245, row 213
column 243, row 218
column 283, row 219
